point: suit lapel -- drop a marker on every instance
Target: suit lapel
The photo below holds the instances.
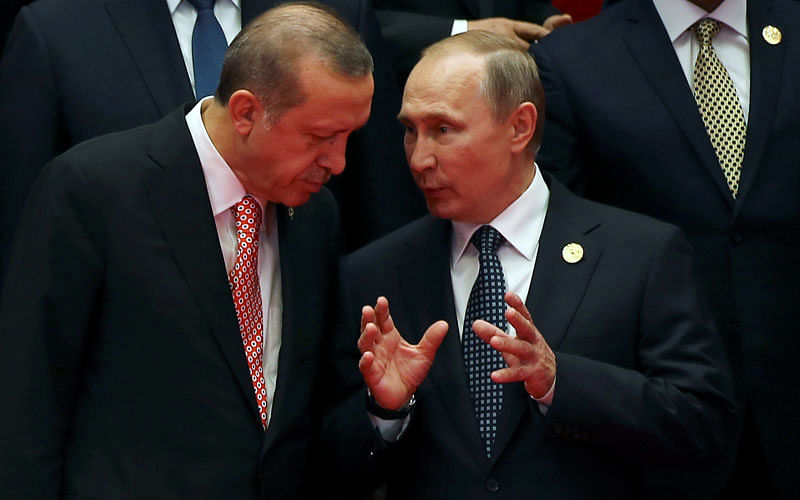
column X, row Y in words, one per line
column 301, row 266
column 147, row 30
column 766, row 75
column 556, row 290
column 428, row 262
column 179, row 199
column 649, row 44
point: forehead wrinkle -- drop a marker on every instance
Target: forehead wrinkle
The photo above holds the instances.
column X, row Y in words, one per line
column 440, row 93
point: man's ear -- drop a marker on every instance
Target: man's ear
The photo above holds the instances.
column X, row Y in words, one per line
column 244, row 109
column 523, row 121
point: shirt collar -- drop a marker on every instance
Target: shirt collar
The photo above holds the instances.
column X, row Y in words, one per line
column 679, row 15
column 172, row 5
column 224, row 188
column 520, row 223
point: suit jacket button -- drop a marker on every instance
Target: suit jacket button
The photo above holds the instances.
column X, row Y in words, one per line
column 492, row 485
column 737, row 237
column 557, row 428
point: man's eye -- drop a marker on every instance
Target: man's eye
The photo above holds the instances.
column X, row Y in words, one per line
column 444, row 130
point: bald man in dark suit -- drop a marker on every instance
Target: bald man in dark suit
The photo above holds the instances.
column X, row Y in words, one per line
column 75, row 70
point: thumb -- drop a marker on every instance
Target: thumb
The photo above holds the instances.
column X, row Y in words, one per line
column 433, row 338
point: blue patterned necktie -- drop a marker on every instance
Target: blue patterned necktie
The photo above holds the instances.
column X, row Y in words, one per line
column 208, row 48
column 480, row 359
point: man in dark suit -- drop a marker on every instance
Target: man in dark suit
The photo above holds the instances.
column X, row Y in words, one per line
column 127, row 368
column 624, row 127
column 609, row 371
column 410, row 26
column 75, row 70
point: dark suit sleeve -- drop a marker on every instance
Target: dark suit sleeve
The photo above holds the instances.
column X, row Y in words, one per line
column 355, row 455
column 537, row 11
column 410, row 32
column 46, row 313
column 676, row 406
column 562, row 151
column 30, row 131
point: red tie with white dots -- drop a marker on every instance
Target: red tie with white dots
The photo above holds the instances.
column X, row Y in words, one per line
column 246, row 291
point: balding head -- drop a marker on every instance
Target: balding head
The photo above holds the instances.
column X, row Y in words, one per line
column 262, row 58
column 511, row 76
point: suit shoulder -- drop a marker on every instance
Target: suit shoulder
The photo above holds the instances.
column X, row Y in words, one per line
column 52, row 12
column 593, row 29
column 109, row 148
column 631, row 229
column 386, row 248
column 617, row 225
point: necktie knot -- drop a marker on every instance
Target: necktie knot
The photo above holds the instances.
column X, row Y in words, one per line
column 487, row 240
column 248, row 220
column 705, row 30
column 202, row 4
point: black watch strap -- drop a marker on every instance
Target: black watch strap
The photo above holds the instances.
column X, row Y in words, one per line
column 384, row 414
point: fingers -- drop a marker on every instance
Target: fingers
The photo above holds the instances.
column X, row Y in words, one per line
column 503, row 342
column 369, row 369
column 501, row 26
column 382, row 317
column 517, row 373
column 485, row 330
column 369, row 336
column 557, row 21
column 514, row 301
column 529, row 31
column 432, row 338
column 367, row 316
column 520, row 318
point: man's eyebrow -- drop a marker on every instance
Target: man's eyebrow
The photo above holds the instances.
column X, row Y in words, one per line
column 427, row 117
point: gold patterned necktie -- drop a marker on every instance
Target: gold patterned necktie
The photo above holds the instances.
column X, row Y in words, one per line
column 719, row 105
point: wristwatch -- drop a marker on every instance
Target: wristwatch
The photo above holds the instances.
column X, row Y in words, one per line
column 384, row 414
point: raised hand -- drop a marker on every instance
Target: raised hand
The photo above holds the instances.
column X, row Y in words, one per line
column 521, row 32
column 393, row 368
column 529, row 358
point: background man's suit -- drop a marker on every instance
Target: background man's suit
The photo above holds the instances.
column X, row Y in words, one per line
column 628, row 306
column 412, row 25
column 75, row 70
column 623, row 128
column 120, row 352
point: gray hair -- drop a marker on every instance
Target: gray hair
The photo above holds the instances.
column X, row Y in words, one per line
column 262, row 57
column 511, row 75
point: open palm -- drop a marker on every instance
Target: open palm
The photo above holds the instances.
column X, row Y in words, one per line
column 393, row 368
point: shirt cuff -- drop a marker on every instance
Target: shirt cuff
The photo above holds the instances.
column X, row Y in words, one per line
column 459, row 26
column 390, row 430
column 545, row 401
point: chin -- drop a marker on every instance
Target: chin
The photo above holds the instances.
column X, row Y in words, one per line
column 297, row 200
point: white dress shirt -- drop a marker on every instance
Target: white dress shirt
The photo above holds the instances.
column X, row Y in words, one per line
column 227, row 12
column 521, row 225
column 731, row 43
column 224, row 192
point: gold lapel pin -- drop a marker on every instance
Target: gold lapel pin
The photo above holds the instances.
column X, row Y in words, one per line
column 572, row 253
column 291, row 213
column 771, row 34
